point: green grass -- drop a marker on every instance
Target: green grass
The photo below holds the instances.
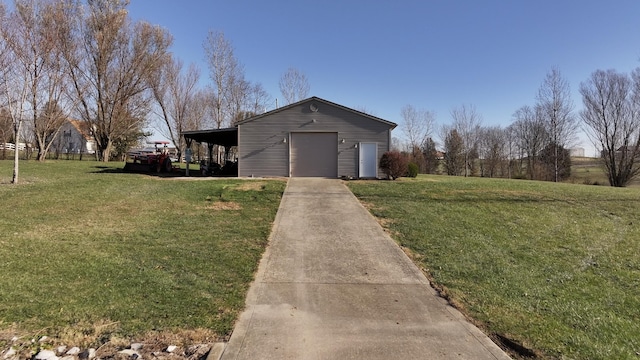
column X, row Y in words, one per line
column 554, row 267
column 83, row 243
column 589, row 171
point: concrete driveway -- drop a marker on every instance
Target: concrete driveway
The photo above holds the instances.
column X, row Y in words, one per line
column 333, row 285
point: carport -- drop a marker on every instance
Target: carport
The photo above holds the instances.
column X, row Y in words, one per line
column 227, row 138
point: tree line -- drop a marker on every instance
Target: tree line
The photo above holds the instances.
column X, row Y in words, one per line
column 88, row 60
column 536, row 143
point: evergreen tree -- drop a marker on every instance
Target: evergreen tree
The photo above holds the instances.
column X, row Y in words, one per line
column 454, row 157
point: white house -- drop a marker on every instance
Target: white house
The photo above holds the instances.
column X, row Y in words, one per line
column 75, row 138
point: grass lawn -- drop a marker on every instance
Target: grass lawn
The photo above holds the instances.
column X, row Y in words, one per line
column 588, row 171
column 554, row 267
column 89, row 252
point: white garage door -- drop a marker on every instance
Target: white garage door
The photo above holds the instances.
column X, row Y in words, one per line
column 314, row 155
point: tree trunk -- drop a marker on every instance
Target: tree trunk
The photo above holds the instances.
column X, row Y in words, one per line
column 42, row 153
column 555, row 168
column 16, row 152
column 106, row 152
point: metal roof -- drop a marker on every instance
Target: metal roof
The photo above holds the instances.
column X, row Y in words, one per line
column 317, row 99
column 229, row 136
column 225, row 137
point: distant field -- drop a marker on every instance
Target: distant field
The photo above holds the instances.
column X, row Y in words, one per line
column 553, row 267
column 89, row 252
column 590, row 171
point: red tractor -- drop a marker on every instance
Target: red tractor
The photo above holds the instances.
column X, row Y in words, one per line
column 156, row 159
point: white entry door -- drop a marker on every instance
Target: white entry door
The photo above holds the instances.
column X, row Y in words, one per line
column 368, row 160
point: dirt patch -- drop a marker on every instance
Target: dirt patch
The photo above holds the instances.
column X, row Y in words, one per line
column 384, row 222
column 386, row 226
column 224, row 205
column 370, row 206
column 422, row 179
column 251, row 186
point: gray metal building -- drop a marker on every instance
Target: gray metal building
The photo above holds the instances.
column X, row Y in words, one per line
column 313, row 137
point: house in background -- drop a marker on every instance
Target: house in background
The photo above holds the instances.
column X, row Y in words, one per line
column 576, row 152
column 74, row 137
column 311, row 138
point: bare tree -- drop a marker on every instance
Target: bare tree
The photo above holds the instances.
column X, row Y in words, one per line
column 110, row 59
column 204, row 109
column 259, row 99
column 239, row 98
column 174, row 91
column 612, row 117
column 53, row 97
column 294, row 85
column 396, row 144
column 492, row 150
column 511, row 143
column 200, row 115
column 6, row 130
column 6, row 121
column 417, row 126
column 15, row 94
column 30, row 25
column 556, row 107
column 15, row 85
column 50, row 120
column 226, row 74
column 530, row 132
column 467, row 121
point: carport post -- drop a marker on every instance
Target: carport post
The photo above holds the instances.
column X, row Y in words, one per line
column 187, row 154
column 210, row 148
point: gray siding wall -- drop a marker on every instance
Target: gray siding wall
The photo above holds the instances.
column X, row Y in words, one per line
column 262, row 151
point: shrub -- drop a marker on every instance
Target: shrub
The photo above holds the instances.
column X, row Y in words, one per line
column 393, row 164
column 412, row 170
column 548, row 158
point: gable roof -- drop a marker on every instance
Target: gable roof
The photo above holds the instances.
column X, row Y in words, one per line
column 83, row 128
column 319, row 100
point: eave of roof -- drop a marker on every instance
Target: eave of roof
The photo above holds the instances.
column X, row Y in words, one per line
column 320, row 100
column 224, row 137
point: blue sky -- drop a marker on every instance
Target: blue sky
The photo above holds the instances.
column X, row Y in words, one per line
column 435, row 55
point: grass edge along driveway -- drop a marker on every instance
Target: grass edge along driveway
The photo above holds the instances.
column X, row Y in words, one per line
column 553, row 267
column 91, row 254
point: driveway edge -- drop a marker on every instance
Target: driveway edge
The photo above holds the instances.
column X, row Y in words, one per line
column 236, row 340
